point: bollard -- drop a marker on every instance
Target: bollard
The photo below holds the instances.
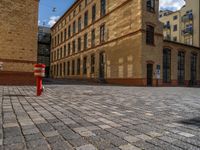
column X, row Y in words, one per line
column 39, row 73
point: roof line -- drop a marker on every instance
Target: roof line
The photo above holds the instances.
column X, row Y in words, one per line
column 67, row 11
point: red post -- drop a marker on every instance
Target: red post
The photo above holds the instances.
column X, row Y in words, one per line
column 39, row 72
column 39, row 86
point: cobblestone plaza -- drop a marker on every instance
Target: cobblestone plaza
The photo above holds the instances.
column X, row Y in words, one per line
column 90, row 117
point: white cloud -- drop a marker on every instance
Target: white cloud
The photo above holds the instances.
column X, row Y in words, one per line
column 39, row 22
column 171, row 4
column 53, row 20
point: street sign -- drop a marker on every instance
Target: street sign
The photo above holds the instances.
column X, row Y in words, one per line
column 158, row 72
column 1, row 66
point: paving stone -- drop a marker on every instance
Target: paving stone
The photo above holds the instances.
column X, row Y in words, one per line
column 18, row 146
column 58, row 143
column 12, row 131
column 50, row 134
column 186, row 134
column 144, row 137
column 78, row 142
column 13, row 140
column 38, row 145
column 8, row 125
column 86, row 147
column 105, row 126
column 128, row 147
column 131, row 139
column 32, row 137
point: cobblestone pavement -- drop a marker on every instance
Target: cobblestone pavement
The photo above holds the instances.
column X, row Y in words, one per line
column 86, row 117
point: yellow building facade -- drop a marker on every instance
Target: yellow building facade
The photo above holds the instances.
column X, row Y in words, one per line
column 183, row 25
column 119, row 41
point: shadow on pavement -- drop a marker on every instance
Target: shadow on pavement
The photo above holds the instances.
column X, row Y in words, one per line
column 49, row 81
column 193, row 122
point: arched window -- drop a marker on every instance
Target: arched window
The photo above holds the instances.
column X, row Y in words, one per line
column 151, row 5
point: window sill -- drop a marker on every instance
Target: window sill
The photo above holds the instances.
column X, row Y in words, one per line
column 153, row 45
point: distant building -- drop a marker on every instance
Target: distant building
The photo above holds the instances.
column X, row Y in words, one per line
column 120, row 41
column 183, row 25
column 18, row 41
column 44, row 42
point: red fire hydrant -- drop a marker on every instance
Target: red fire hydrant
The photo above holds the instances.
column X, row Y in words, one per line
column 39, row 72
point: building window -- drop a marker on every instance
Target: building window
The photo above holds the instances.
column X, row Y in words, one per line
column 60, row 70
column 79, row 44
column 79, row 24
column 74, row 13
column 69, row 31
column 102, row 33
column 54, row 55
column 78, row 66
column 175, row 27
column 65, row 34
column 85, row 65
column 166, row 65
column 92, row 63
column 175, row 39
column 57, row 54
column 193, row 76
column 68, row 68
column 103, row 7
column 69, row 48
column 73, row 46
column 51, row 57
column 58, row 38
column 54, row 70
column 150, row 35
column 61, row 52
column 181, row 67
column 65, row 50
column 151, row 5
column 93, row 38
column 61, row 36
column 73, row 67
column 86, row 2
column 86, row 19
column 93, row 12
column 57, row 70
column 55, row 41
column 74, row 27
column 64, row 68
column 80, row 7
column 85, row 41
column 175, row 17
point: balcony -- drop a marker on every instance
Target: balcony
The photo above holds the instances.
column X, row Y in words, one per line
column 187, row 17
column 167, row 26
column 188, row 31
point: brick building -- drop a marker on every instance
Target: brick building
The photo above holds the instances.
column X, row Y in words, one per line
column 18, row 41
column 120, row 41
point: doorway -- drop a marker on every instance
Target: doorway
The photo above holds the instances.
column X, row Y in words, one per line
column 149, row 74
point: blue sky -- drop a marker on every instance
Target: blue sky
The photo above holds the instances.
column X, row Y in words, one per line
column 48, row 17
